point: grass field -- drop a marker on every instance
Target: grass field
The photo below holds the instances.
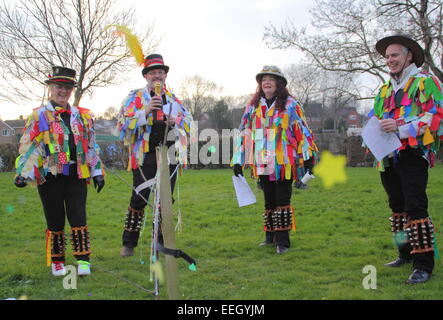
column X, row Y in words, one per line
column 339, row 232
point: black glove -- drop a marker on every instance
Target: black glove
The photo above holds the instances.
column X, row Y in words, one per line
column 20, row 182
column 300, row 185
column 238, row 170
column 99, row 183
column 309, row 166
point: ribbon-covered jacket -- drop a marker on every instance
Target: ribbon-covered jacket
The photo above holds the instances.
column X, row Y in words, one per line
column 275, row 142
column 134, row 126
column 417, row 107
column 44, row 145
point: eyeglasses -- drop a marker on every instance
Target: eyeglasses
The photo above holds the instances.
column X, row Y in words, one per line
column 156, row 72
column 63, row 86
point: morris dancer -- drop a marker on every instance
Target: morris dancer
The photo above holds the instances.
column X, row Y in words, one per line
column 409, row 104
column 58, row 151
column 276, row 142
column 143, row 118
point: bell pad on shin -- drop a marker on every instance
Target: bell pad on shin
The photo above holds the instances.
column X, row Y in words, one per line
column 398, row 221
column 282, row 219
column 267, row 221
column 80, row 241
column 421, row 235
column 58, row 243
column 134, row 220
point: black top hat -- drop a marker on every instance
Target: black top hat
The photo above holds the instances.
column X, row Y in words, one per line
column 62, row 75
column 418, row 56
column 154, row 61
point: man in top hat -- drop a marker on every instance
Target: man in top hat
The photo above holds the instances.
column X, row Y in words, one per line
column 146, row 116
column 58, row 152
column 409, row 104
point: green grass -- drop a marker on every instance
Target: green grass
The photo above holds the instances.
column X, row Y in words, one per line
column 339, row 231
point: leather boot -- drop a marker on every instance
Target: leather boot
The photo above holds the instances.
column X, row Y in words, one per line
column 398, row 262
column 282, row 249
column 126, row 252
column 418, row 276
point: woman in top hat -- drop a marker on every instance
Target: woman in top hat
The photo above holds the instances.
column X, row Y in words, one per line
column 58, row 152
column 143, row 118
column 409, row 104
column 275, row 142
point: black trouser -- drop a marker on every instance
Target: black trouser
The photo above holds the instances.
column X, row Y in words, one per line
column 405, row 182
column 277, row 194
column 149, row 170
column 64, row 196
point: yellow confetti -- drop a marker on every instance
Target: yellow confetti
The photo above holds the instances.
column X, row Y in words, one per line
column 331, row 169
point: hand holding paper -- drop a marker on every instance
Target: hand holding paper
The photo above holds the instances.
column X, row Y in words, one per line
column 244, row 194
column 379, row 142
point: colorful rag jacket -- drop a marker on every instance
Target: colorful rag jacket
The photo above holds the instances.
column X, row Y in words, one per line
column 274, row 142
column 134, row 127
column 44, row 146
column 418, row 115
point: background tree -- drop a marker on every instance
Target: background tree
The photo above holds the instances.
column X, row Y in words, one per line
column 198, row 94
column 343, row 33
column 303, row 81
column 220, row 116
column 110, row 113
column 338, row 91
column 423, row 20
column 38, row 34
column 333, row 90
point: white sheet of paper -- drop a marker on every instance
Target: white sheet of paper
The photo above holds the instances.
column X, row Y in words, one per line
column 379, row 142
column 245, row 196
column 174, row 111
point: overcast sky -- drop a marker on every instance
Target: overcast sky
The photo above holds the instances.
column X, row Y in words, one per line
column 221, row 40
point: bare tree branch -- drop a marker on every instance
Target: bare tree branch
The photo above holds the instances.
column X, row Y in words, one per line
column 198, row 93
column 342, row 34
column 38, row 34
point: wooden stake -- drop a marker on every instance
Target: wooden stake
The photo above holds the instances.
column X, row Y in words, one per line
column 168, row 224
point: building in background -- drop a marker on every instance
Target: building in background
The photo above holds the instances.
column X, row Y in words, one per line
column 11, row 130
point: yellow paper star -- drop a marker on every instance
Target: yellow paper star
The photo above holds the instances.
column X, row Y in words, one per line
column 331, row 169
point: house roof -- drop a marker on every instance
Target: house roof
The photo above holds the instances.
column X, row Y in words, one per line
column 6, row 124
column 16, row 123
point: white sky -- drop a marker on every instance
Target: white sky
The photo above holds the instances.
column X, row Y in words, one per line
column 221, row 40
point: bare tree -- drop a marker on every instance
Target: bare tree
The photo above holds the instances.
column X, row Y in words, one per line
column 303, row 81
column 337, row 91
column 198, row 94
column 341, row 39
column 38, row 34
column 343, row 33
column 110, row 113
column 423, row 20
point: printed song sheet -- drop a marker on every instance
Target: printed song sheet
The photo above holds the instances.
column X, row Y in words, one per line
column 379, row 142
column 245, row 196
